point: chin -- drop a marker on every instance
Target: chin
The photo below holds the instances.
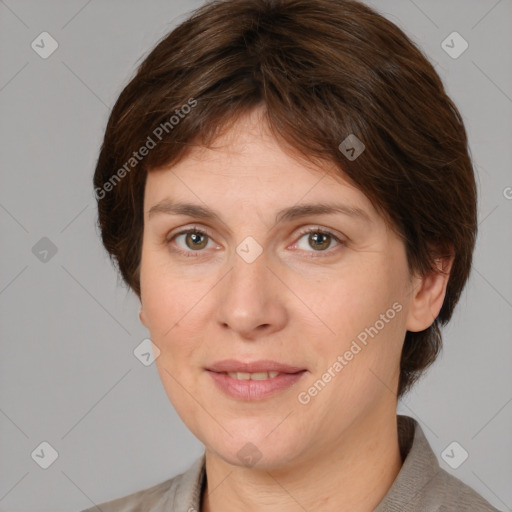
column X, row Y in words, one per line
column 261, row 453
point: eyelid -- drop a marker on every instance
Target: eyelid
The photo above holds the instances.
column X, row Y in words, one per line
column 320, row 229
column 186, row 229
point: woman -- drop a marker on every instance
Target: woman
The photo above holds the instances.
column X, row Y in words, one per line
column 287, row 188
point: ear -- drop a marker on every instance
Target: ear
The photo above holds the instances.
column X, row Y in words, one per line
column 429, row 292
column 142, row 317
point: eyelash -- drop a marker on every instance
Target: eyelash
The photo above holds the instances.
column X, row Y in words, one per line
column 202, row 232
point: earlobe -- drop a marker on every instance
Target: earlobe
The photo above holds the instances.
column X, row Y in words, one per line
column 142, row 317
column 429, row 293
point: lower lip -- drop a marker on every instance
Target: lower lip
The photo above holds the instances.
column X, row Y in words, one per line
column 254, row 389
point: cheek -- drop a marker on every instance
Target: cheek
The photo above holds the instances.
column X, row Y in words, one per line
column 365, row 315
column 354, row 301
column 162, row 292
column 164, row 302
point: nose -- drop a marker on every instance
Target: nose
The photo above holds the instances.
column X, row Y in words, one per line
column 251, row 299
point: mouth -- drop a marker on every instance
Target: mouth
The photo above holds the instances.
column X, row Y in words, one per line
column 254, row 381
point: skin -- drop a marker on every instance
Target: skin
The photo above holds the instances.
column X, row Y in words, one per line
column 340, row 451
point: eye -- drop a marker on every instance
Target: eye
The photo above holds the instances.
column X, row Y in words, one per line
column 193, row 241
column 317, row 238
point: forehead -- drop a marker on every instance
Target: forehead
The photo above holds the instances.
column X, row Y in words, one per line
column 246, row 148
column 247, row 166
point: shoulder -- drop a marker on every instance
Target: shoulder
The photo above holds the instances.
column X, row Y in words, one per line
column 179, row 493
column 152, row 499
column 454, row 495
column 422, row 485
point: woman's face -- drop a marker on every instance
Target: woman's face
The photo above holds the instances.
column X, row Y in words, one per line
column 258, row 287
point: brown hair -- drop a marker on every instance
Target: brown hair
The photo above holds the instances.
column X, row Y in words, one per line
column 323, row 69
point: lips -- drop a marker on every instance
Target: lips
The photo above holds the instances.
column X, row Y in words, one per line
column 254, row 389
column 261, row 366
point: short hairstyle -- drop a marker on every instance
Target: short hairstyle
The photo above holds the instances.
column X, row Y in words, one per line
column 322, row 70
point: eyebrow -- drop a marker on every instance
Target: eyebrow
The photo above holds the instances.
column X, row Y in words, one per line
column 170, row 207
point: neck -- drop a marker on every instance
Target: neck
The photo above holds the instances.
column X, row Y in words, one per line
column 354, row 475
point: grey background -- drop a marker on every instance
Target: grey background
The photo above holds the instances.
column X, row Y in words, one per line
column 68, row 374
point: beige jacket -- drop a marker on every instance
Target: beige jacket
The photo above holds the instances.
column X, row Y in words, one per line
column 421, row 485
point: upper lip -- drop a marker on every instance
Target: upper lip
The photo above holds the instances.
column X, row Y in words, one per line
column 266, row 365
